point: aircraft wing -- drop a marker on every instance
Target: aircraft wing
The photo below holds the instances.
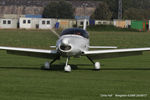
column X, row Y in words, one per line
column 41, row 53
column 102, row 54
column 102, row 47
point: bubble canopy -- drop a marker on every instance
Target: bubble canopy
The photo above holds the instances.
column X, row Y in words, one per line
column 75, row 31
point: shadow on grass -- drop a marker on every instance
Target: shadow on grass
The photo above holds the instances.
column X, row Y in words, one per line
column 74, row 67
column 28, row 68
column 55, row 67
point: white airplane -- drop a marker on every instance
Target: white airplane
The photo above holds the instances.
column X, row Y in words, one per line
column 74, row 42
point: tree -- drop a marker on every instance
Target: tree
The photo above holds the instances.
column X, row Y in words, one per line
column 113, row 6
column 59, row 9
column 102, row 12
column 138, row 4
column 137, row 14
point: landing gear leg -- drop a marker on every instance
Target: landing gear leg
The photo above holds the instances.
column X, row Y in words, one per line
column 96, row 64
column 67, row 67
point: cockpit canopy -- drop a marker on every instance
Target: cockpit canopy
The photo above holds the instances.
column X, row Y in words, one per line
column 75, row 31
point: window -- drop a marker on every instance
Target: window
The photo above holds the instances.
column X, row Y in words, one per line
column 24, row 21
column 48, row 22
column 87, row 23
column 9, row 22
column 29, row 21
column 104, row 22
column 43, row 22
column 4, row 21
column 99, row 22
column 81, row 23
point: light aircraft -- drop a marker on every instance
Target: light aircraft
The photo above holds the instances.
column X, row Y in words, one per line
column 74, row 42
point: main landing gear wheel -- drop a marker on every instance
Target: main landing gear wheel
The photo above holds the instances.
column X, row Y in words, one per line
column 46, row 66
column 97, row 66
column 67, row 67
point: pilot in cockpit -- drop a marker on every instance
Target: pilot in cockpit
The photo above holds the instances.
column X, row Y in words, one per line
column 78, row 33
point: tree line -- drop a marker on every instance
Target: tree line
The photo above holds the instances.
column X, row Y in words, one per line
column 106, row 10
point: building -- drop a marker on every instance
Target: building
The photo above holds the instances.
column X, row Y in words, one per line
column 103, row 22
column 128, row 23
column 12, row 16
column 81, row 22
column 45, row 23
column 66, row 23
column 8, row 23
column 33, row 16
column 29, row 23
column 120, row 23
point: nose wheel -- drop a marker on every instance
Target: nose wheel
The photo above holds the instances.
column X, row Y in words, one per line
column 67, row 67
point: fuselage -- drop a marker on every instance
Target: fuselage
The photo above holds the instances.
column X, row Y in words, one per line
column 73, row 42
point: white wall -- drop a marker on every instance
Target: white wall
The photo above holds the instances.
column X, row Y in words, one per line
column 115, row 22
column 29, row 23
column 45, row 23
column 103, row 22
column 8, row 23
column 81, row 22
column 128, row 23
column 122, row 23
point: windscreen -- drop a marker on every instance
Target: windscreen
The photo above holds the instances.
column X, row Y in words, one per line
column 75, row 31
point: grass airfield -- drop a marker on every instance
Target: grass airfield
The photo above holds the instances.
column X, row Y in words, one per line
column 22, row 79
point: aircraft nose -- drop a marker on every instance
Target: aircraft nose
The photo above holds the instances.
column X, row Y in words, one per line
column 65, row 45
column 65, row 42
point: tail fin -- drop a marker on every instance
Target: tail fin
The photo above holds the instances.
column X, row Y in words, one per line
column 84, row 25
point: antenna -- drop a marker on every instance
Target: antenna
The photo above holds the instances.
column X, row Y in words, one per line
column 119, row 9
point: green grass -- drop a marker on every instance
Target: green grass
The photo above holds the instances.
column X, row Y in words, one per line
column 22, row 79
